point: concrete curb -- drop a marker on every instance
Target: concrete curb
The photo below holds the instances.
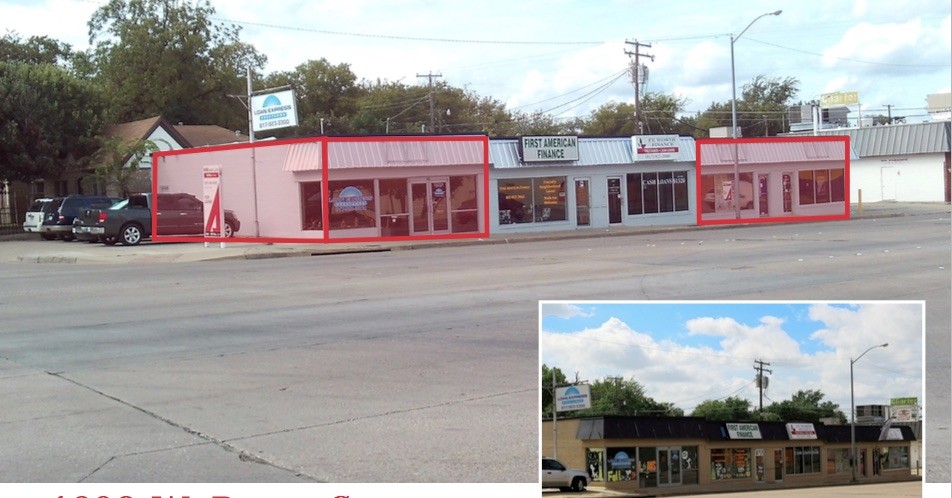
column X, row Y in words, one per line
column 168, row 253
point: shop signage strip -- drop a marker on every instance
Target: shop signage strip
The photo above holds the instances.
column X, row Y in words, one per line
column 743, row 431
column 548, row 148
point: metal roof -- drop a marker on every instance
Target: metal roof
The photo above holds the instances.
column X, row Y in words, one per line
column 896, row 140
column 399, row 153
column 634, row 427
column 722, row 152
column 504, row 153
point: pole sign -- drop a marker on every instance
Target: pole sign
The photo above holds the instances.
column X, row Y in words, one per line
column 273, row 110
column 836, row 99
column 549, row 148
column 213, row 212
column 655, row 147
column 572, row 398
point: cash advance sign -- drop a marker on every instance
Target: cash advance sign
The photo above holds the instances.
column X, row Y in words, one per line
column 549, row 148
column 273, row 110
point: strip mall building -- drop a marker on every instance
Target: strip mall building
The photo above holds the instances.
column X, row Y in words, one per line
column 338, row 189
column 693, row 455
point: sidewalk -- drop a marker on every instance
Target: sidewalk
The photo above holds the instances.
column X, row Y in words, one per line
column 28, row 248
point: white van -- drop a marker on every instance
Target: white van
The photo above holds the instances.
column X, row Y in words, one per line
column 35, row 214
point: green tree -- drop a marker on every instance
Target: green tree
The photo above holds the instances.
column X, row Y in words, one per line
column 611, row 118
column 49, row 120
column 805, row 406
column 323, row 91
column 618, row 396
column 729, row 409
column 760, row 108
column 116, row 163
column 34, row 50
column 168, row 58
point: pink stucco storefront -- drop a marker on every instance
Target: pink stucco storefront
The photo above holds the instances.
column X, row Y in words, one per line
column 338, row 189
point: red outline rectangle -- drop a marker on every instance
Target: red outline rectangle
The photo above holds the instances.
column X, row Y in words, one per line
column 783, row 219
column 325, row 141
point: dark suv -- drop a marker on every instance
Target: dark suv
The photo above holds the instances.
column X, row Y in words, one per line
column 62, row 211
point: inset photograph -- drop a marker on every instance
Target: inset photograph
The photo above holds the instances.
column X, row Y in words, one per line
column 697, row 397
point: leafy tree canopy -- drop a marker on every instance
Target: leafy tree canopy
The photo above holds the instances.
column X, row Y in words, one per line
column 164, row 57
column 49, row 121
column 730, row 409
column 805, row 406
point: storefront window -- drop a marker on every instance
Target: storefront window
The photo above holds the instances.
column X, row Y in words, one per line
column 657, row 192
column 837, row 461
column 463, row 204
column 894, row 457
column 719, row 193
column 394, row 214
column 821, row 186
column 648, row 470
column 689, row 465
column 803, row 460
column 837, row 189
column 528, row 200
column 352, row 204
column 621, row 464
column 595, row 464
column 312, row 206
column 730, row 463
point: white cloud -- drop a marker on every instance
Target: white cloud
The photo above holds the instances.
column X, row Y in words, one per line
column 561, row 310
column 677, row 369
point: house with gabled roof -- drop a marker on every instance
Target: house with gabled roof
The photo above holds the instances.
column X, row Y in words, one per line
column 163, row 134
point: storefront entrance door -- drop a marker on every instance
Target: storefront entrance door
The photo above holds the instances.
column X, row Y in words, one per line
column 778, row 465
column 669, row 466
column 583, row 206
column 760, row 465
column 614, row 200
column 763, row 198
column 430, row 198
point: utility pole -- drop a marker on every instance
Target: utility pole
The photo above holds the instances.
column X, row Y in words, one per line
column 761, row 382
column 889, row 113
column 430, row 76
column 635, row 71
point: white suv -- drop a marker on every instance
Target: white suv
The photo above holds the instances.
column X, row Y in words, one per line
column 33, row 221
column 556, row 475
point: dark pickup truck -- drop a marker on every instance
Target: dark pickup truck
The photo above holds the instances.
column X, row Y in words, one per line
column 130, row 221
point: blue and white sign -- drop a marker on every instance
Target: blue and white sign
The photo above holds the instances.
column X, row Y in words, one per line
column 273, row 110
column 573, row 398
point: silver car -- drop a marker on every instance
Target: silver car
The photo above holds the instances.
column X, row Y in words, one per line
column 556, row 475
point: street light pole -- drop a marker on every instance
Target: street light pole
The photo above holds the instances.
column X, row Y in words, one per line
column 853, row 411
column 735, row 189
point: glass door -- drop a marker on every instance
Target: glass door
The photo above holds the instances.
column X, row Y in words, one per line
column 614, row 199
column 430, row 201
column 763, row 198
column 669, row 466
column 583, row 203
column 778, row 465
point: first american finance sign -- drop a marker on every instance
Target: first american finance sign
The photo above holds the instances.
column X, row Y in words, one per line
column 549, row 148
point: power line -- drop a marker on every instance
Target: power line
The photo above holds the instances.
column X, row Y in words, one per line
column 404, row 38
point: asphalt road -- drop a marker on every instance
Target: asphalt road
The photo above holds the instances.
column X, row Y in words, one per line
column 403, row 366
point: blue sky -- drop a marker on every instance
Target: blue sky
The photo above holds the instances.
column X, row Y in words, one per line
column 567, row 57
column 686, row 352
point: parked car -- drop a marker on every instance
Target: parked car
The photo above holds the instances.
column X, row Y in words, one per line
column 58, row 221
column 556, row 475
column 35, row 214
column 130, row 221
